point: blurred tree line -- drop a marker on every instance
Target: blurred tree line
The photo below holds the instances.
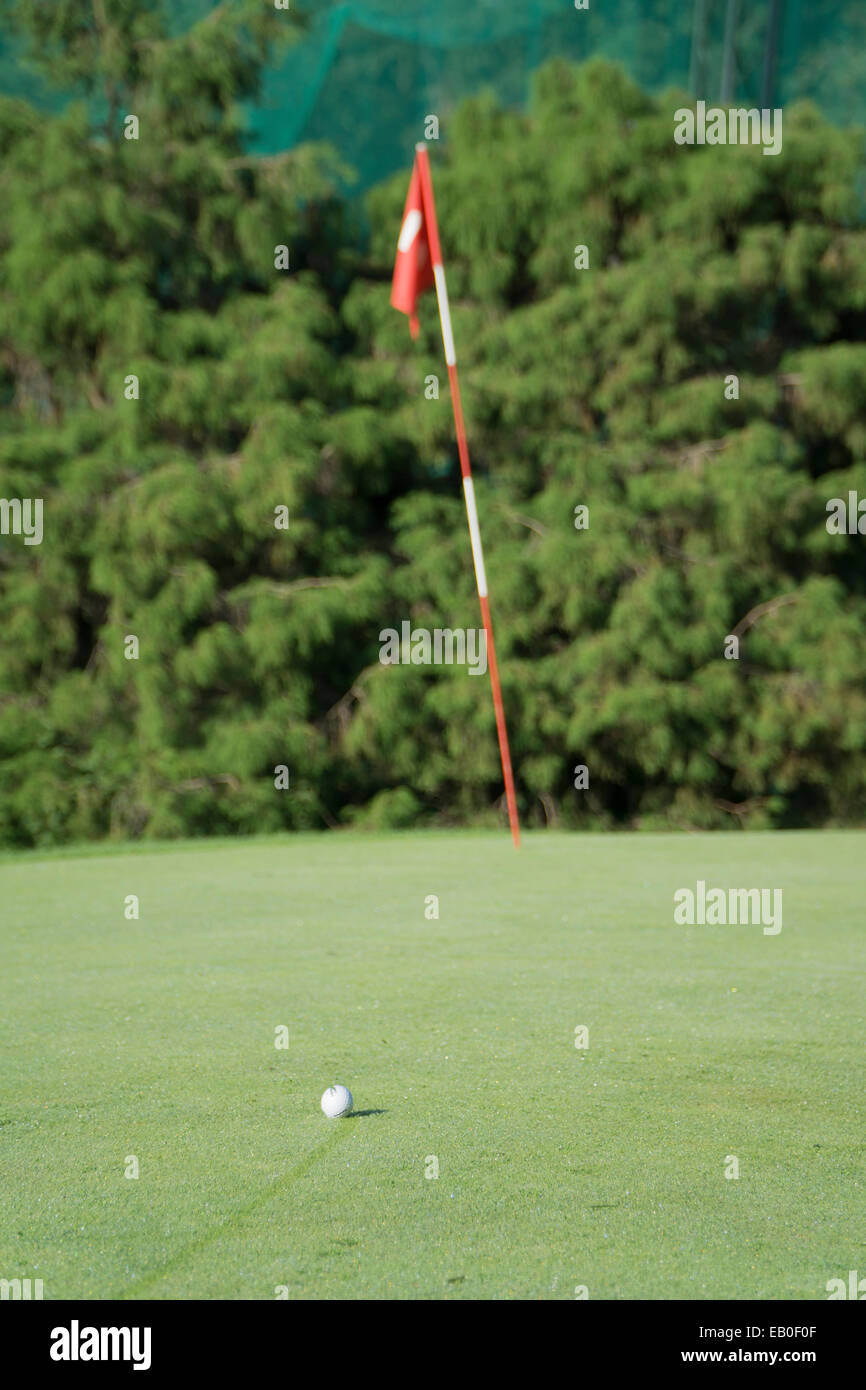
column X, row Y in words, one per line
column 262, row 389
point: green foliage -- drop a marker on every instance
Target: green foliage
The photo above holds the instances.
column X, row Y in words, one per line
column 155, row 258
column 707, row 515
column 262, row 389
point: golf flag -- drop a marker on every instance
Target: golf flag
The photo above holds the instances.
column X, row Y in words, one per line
column 417, row 267
column 413, row 268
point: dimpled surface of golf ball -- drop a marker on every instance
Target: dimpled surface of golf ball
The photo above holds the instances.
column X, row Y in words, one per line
column 336, row 1102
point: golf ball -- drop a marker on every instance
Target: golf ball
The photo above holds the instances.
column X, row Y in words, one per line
column 336, row 1102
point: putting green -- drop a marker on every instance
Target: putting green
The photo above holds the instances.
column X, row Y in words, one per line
column 558, row 1166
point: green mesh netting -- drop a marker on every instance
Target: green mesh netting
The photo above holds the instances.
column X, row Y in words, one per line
column 368, row 71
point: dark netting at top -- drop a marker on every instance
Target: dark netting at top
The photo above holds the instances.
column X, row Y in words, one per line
column 367, row 72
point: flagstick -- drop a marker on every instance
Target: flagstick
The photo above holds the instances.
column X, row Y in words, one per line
column 468, row 489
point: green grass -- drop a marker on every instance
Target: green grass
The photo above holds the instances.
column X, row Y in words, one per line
column 558, row 1167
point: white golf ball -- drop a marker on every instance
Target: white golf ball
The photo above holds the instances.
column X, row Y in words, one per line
column 336, row 1102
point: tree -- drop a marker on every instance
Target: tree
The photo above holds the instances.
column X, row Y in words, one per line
column 260, row 389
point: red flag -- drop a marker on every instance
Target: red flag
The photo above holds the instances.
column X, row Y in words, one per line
column 413, row 268
column 418, row 266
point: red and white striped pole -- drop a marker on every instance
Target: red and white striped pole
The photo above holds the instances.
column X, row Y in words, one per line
column 468, row 489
